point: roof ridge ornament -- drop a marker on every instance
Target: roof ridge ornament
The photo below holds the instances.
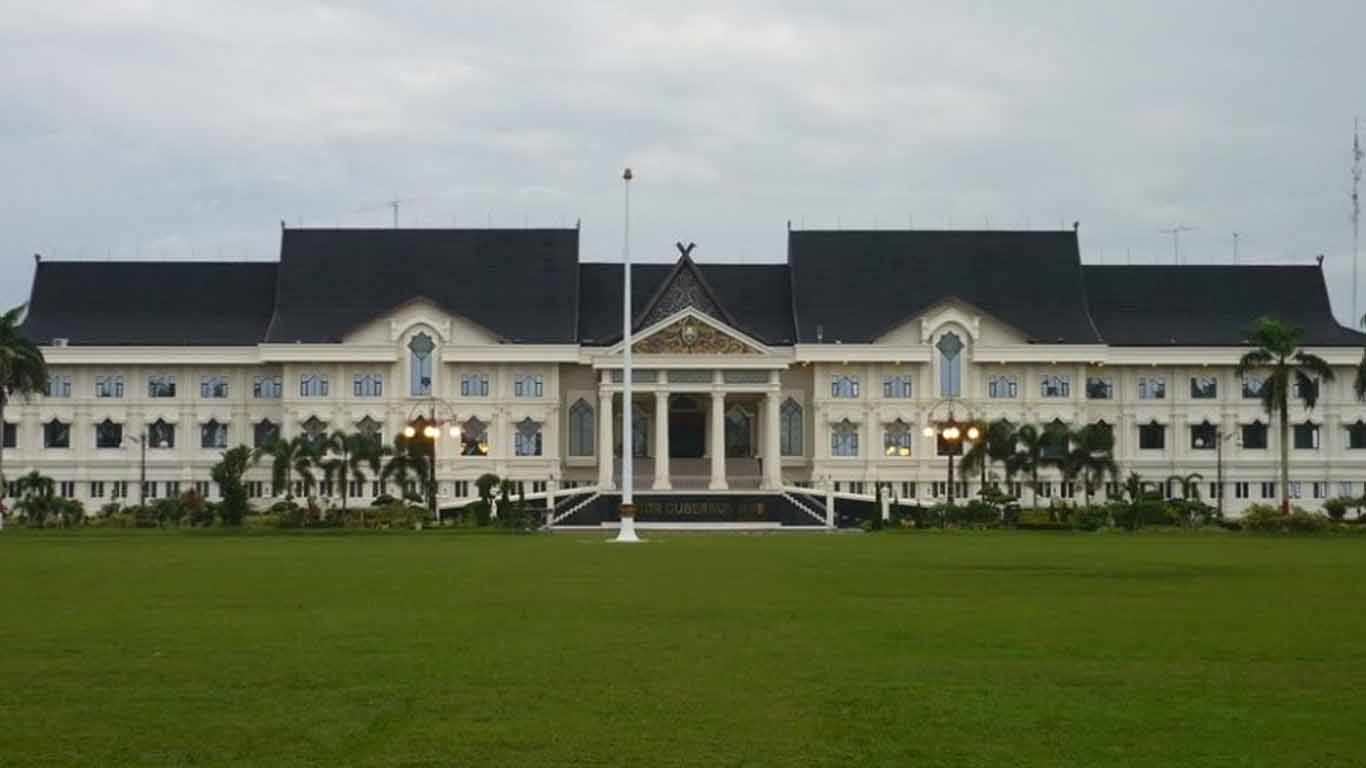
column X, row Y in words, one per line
column 685, row 250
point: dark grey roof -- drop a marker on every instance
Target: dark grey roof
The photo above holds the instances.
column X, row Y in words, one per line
column 521, row 284
column 859, row 285
column 1209, row 305
column 130, row 303
column 756, row 296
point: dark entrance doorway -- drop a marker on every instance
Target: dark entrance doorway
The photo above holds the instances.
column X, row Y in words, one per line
column 687, row 428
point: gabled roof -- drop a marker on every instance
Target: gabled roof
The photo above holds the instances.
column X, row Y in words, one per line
column 855, row 286
column 757, row 298
column 521, row 284
column 685, row 286
column 146, row 303
column 1207, row 305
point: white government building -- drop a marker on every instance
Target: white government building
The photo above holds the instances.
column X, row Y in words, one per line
column 753, row 382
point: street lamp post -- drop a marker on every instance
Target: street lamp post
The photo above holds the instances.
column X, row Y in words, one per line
column 141, row 440
column 952, row 433
column 1219, row 439
column 432, row 432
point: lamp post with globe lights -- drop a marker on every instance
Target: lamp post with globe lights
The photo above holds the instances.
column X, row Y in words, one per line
column 951, row 433
column 431, row 431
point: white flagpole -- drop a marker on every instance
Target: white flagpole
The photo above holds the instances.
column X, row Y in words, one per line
column 627, row 532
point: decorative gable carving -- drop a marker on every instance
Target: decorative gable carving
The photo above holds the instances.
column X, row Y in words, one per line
column 690, row 337
column 684, row 291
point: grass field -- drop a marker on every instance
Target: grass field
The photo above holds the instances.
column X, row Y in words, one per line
column 147, row 648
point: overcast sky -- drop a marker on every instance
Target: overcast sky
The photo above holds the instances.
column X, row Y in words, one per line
column 189, row 129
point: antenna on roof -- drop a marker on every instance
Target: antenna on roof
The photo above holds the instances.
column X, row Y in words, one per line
column 1235, row 248
column 1076, row 226
column 1319, row 259
column 1175, row 232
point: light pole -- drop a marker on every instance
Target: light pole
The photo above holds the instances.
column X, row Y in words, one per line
column 951, row 432
column 432, row 431
column 141, row 440
column 626, row 534
column 1219, row 439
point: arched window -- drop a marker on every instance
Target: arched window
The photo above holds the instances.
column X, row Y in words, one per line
column 527, row 439
column 580, row 428
column 950, row 365
column 161, row 434
column 108, row 434
column 56, row 434
column 898, row 439
column 1356, row 436
column 265, row 432
column 790, row 436
column 420, row 361
column 369, row 427
column 844, row 439
column 315, row 429
column 212, row 434
column 474, row 438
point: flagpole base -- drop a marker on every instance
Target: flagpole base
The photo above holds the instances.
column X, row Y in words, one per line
column 626, row 534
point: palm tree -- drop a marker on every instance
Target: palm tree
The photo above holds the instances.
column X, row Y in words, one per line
column 1277, row 352
column 1092, row 457
column 997, row 444
column 406, row 460
column 352, row 455
column 35, row 492
column 1028, row 457
column 287, row 458
column 22, row 372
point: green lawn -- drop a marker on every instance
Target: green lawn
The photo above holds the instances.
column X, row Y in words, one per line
column 992, row 649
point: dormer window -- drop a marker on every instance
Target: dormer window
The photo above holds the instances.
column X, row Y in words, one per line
column 950, row 365
column 420, row 350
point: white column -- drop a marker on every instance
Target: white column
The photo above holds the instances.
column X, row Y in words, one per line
column 718, row 442
column 773, row 461
column 662, row 441
column 605, row 440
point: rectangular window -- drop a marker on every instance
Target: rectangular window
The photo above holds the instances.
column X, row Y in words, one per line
column 1242, row 490
column 1319, row 490
column 268, row 387
column 213, row 387
column 161, row 385
column 1100, row 388
column 474, row 385
column 313, row 385
column 119, row 489
column 907, row 490
column 1307, row 437
column 367, row 385
column 844, row 387
column 1346, row 488
column 1113, row 490
column 58, row 385
column 1046, row 489
column 1152, row 437
column 1296, row 489
column 1204, row 388
column 528, row 385
column 11, row 435
column 1055, row 386
column 1003, row 387
column 66, row 489
column 201, row 487
column 254, row 489
column 109, row 386
column 1254, row 436
column 1068, row 489
column 1152, row 388
column 1252, row 386
column 1268, row 490
column 97, row 489
column 898, row 387
column 149, row 489
column 462, row 489
column 172, row 489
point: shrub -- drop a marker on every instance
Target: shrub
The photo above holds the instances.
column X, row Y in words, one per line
column 383, row 500
column 1040, row 520
column 1337, row 508
column 975, row 514
column 1091, row 518
column 1266, row 518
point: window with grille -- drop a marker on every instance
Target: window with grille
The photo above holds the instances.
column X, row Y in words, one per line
column 1003, row 387
column 844, row 439
column 790, row 428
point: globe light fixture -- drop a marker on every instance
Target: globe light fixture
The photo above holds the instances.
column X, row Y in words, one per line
column 430, row 432
column 455, row 433
column 409, row 431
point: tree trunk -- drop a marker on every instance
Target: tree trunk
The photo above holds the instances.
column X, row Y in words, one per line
column 1285, row 458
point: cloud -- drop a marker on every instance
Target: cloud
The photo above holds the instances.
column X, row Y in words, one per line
column 190, row 129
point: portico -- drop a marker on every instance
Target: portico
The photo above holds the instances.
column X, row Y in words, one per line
column 695, row 429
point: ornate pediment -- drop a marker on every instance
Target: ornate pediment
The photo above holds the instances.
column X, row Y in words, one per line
column 689, row 336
